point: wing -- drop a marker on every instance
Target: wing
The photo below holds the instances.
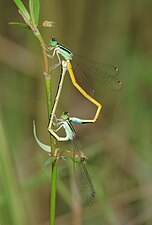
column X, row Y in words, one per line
column 83, row 182
column 103, row 74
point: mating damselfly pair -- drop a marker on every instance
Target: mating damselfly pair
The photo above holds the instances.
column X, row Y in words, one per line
column 106, row 74
column 109, row 77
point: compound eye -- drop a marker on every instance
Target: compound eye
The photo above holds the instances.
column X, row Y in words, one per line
column 53, row 39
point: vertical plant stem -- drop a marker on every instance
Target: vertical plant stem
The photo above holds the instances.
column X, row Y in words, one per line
column 47, row 77
column 53, row 193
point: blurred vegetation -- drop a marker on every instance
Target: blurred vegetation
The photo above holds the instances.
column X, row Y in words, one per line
column 118, row 145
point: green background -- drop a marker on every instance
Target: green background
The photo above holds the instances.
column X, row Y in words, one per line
column 118, row 146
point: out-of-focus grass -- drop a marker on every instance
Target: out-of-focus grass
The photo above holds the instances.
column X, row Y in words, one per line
column 118, row 145
column 11, row 191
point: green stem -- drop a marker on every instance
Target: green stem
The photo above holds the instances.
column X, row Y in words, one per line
column 53, row 193
column 49, row 106
column 47, row 77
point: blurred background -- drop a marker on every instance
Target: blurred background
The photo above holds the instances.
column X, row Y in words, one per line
column 118, row 146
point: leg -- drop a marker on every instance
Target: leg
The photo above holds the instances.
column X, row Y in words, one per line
column 56, row 130
column 48, row 49
column 56, row 119
column 55, row 135
column 57, row 64
column 51, row 56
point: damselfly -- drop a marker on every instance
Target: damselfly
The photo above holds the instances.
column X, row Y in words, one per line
column 82, row 177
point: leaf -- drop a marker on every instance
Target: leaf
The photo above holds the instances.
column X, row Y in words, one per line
column 34, row 6
column 20, row 25
column 22, row 8
column 46, row 148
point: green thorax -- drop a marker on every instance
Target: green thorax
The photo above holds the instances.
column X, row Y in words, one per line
column 69, row 129
column 65, row 52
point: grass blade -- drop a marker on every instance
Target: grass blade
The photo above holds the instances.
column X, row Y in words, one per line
column 20, row 25
column 22, row 8
column 45, row 147
column 11, row 183
column 34, row 6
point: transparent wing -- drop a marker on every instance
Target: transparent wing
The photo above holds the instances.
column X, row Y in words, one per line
column 82, row 78
column 83, row 181
column 103, row 74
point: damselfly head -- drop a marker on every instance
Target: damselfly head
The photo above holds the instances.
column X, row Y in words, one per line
column 65, row 116
column 53, row 42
